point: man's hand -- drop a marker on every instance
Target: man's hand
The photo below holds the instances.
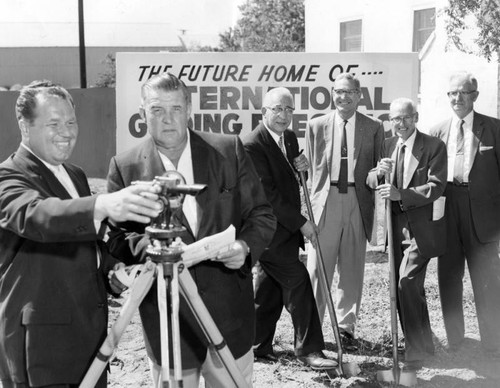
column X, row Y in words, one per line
column 310, row 231
column 388, row 191
column 384, row 167
column 235, row 257
column 301, row 163
column 116, row 286
column 137, row 203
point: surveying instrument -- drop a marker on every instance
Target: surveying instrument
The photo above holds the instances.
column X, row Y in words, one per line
column 164, row 261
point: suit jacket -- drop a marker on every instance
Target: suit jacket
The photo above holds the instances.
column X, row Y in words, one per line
column 425, row 181
column 368, row 137
column 53, row 303
column 484, row 176
column 281, row 186
column 233, row 196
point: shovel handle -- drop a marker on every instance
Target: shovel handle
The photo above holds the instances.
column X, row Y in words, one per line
column 323, row 280
column 392, row 283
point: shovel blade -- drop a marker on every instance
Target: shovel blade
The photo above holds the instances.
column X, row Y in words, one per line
column 407, row 379
column 349, row 369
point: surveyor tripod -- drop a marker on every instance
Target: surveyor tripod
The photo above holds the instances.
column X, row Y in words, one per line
column 164, row 261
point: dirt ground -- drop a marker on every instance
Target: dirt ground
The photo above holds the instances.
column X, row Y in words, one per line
column 468, row 368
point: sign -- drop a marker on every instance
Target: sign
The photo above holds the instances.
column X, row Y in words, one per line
column 227, row 88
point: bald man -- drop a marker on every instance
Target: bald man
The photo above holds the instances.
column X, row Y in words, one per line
column 283, row 279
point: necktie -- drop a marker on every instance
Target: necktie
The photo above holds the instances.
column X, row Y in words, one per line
column 400, row 167
column 282, row 146
column 342, row 183
column 458, row 169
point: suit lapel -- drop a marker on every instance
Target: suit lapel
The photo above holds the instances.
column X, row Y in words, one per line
column 358, row 136
column 80, row 185
column 200, row 155
column 274, row 151
column 150, row 162
column 415, row 156
column 328, row 135
column 477, row 132
column 36, row 170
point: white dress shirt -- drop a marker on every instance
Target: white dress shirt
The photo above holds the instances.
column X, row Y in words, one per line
column 452, row 144
column 185, row 168
column 338, row 129
column 408, row 152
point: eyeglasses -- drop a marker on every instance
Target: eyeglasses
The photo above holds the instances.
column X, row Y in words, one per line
column 399, row 120
column 349, row 92
column 461, row 93
column 277, row 110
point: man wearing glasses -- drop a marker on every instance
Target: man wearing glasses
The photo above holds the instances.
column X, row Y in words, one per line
column 473, row 215
column 283, row 280
column 343, row 146
column 417, row 179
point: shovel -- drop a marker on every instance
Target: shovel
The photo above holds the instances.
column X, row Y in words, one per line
column 347, row 369
column 396, row 375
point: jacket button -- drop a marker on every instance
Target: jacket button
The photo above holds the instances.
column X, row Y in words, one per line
column 100, row 305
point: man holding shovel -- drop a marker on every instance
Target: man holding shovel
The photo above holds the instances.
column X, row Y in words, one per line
column 417, row 180
column 284, row 280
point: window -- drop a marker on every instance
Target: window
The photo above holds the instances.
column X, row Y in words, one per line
column 424, row 22
column 350, row 36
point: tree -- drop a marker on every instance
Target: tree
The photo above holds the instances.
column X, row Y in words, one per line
column 108, row 78
column 267, row 25
column 487, row 16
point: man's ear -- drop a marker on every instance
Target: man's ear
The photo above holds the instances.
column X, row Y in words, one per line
column 142, row 113
column 24, row 127
column 416, row 117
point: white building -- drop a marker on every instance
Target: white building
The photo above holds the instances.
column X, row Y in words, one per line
column 402, row 26
column 39, row 39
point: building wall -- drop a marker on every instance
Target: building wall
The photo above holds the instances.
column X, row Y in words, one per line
column 21, row 65
column 387, row 26
column 96, row 115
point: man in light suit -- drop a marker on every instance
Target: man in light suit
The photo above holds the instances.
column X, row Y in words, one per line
column 418, row 179
column 472, row 212
column 283, row 280
column 233, row 195
column 343, row 205
column 53, row 263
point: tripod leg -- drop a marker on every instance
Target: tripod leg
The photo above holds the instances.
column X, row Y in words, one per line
column 190, row 292
column 139, row 289
column 176, row 335
column 162, row 309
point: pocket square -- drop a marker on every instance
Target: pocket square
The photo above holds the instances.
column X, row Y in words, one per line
column 485, row 148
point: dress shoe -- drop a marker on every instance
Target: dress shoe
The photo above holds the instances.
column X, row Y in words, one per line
column 318, row 361
column 349, row 343
column 266, row 357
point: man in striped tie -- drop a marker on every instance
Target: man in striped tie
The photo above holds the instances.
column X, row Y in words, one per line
column 472, row 212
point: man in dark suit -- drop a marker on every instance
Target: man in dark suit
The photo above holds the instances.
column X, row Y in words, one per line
column 284, row 280
column 418, row 179
column 473, row 214
column 53, row 265
column 343, row 146
column 233, row 195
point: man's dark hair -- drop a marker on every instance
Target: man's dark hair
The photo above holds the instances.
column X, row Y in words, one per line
column 166, row 82
column 26, row 102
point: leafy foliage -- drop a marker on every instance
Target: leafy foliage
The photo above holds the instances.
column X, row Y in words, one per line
column 108, row 78
column 487, row 15
column 267, row 25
